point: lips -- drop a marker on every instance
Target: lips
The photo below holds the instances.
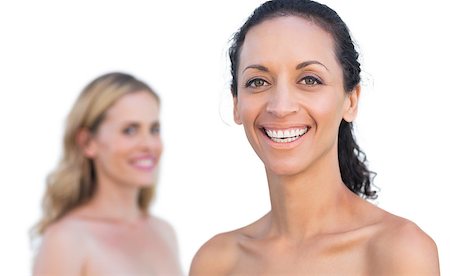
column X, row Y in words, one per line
column 285, row 135
column 144, row 163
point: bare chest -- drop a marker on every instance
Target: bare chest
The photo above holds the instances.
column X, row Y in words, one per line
column 322, row 257
column 130, row 252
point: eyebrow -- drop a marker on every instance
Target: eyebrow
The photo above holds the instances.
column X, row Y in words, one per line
column 309, row 62
column 130, row 123
column 299, row 66
column 256, row 66
column 138, row 124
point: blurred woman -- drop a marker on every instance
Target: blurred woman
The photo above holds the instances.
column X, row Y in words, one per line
column 95, row 209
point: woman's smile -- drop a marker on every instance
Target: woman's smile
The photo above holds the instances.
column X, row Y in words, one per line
column 284, row 137
column 144, row 163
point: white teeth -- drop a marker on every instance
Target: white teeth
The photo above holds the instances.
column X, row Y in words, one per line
column 280, row 134
column 303, row 131
column 292, row 133
column 285, row 136
column 144, row 162
column 285, row 140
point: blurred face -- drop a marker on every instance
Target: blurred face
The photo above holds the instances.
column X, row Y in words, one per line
column 291, row 98
column 127, row 146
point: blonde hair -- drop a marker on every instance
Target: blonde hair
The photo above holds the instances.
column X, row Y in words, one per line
column 73, row 181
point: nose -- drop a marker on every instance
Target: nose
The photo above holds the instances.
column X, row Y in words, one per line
column 282, row 102
column 150, row 142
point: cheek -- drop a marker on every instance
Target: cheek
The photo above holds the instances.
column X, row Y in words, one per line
column 248, row 109
column 114, row 146
column 327, row 109
column 158, row 147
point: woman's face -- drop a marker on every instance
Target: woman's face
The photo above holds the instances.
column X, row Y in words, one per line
column 127, row 146
column 290, row 97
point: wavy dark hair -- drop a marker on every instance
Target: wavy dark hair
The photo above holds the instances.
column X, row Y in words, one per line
column 352, row 160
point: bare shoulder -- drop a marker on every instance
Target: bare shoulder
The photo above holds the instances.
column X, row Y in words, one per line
column 162, row 225
column 166, row 230
column 61, row 251
column 217, row 256
column 400, row 247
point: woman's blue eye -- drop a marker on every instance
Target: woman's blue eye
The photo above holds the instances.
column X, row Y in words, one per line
column 130, row 130
column 310, row 81
column 256, row 83
column 155, row 130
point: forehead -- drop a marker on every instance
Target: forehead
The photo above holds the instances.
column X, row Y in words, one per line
column 287, row 38
column 136, row 106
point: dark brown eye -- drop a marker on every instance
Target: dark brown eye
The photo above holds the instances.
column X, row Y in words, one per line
column 310, row 81
column 255, row 83
column 258, row 82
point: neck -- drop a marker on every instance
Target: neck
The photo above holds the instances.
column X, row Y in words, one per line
column 115, row 202
column 309, row 203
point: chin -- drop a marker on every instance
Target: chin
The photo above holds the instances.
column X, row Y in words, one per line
column 141, row 183
column 282, row 169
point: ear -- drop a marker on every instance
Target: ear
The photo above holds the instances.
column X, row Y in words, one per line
column 352, row 107
column 237, row 118
column 85, row 141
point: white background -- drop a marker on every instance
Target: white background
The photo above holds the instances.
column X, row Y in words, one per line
column 211, row 180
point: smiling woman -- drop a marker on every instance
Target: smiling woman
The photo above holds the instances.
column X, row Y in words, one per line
column 296, row 89
column 96, row 219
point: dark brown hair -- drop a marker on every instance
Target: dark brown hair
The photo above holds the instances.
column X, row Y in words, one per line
column 352, row 160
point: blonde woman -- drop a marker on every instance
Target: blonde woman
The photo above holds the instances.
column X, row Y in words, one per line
column 95, row 219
